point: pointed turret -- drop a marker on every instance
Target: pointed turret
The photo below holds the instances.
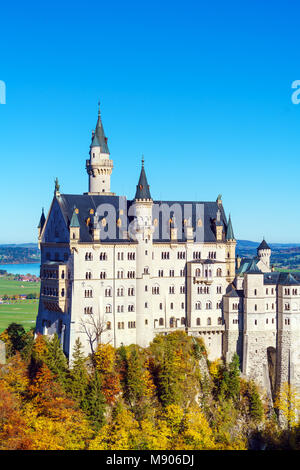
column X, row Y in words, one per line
column 142, row 189
column 99, row 166
column 74, row 227
column 42, row 221
column 229, row 233
column 98, row 138
column 74, row 220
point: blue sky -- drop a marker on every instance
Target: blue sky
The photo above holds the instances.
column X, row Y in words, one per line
column 202, row 89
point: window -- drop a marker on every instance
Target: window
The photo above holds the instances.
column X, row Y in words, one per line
column 165, row 255
column 171, row 306
column 146, row 321
column 198, row 322
column 219, row 289
column 103, row 256
column 160, row 273
column 255, row 291
column 198, row 272
column 131, row 324
column 155, row 290
column 171, row 290
column 208, row 305
column 171, row 273
column 255, row 307
column 88, row 293
column 160, row 306
column 182, row 305
column 131, row 291
column 108, row 309
column 108, row 292
column 88, row 310
column 88, row 275
column 209, row 321
column 198, row 306
column 102, row 275
column 219, row 272
column 161, row 322
column 88, row 257
column 130, row 308
column 172, row 322
column 120, row 291
column 182, row 289
column 108, row 325
column 120, row 325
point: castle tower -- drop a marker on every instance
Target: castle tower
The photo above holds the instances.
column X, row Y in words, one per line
column 99, row 166
column 288, row 338
column 259, row 328
column 264, row 254
column 230, row 250
column 144, row 236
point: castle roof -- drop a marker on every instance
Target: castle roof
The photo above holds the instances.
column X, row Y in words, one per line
column 263, row 246
column 197, row 211
column 281, row 278
column 142, row 189
column 229, row 232
column 99, row 139
column 42, row 220
column 252, row 268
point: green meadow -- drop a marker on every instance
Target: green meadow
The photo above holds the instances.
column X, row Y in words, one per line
column 23, row 312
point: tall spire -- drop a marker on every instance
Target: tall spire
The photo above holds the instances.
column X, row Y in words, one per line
column 98, row 138
column 229, row 233
column 143, row 189
column 42, row 220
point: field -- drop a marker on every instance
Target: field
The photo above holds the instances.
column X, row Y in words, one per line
column 24, row 311
column 10, row 287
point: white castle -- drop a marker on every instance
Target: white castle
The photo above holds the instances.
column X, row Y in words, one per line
column 121, row 271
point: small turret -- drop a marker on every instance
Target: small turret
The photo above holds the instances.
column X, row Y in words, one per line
column 41, row 226
column 264, row 253
column 99, row 167
column 143, row 188
column 75, row 227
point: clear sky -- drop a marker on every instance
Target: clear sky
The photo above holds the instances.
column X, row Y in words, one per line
column 201, row 88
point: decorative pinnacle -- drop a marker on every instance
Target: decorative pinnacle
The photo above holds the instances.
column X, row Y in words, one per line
column 143, row 161
column 99, row 109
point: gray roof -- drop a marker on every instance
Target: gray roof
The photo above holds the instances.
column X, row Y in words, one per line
column 99, row 139
column 143, row 188
column 263, row 246
column 229, row 232
column 42, row 220
column 252, row 268
column 282, row 278
column 87, row 205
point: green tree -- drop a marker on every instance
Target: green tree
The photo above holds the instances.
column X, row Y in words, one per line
column 94, row 403
column 56, row 360
column 78, row 378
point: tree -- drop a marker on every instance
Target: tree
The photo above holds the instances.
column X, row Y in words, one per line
column 78, row 377
column 287, row 403
column 93, row 327
column 56, row 360
column 94, row 402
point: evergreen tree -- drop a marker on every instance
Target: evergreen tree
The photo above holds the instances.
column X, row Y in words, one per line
column 94, row 402
column 78, row 379
column 56, row 360
column 255, row 404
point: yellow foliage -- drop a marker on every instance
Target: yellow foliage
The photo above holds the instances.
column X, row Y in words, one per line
column 214, row 368
column 288, row 402
column 105, row 358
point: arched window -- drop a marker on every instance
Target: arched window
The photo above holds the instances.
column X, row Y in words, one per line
column 198, row 306
column 108, row 309
column 161, row 322
column 198, row 322
column 219, row 272
column 182, row 321
column 208, row 305
column 172, row 322
column 198, row 272
column 209, row 321
column 219, row 321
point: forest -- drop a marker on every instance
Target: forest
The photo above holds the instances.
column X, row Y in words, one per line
column 167, row 396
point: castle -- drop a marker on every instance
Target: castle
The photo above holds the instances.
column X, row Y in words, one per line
column 123, row 270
